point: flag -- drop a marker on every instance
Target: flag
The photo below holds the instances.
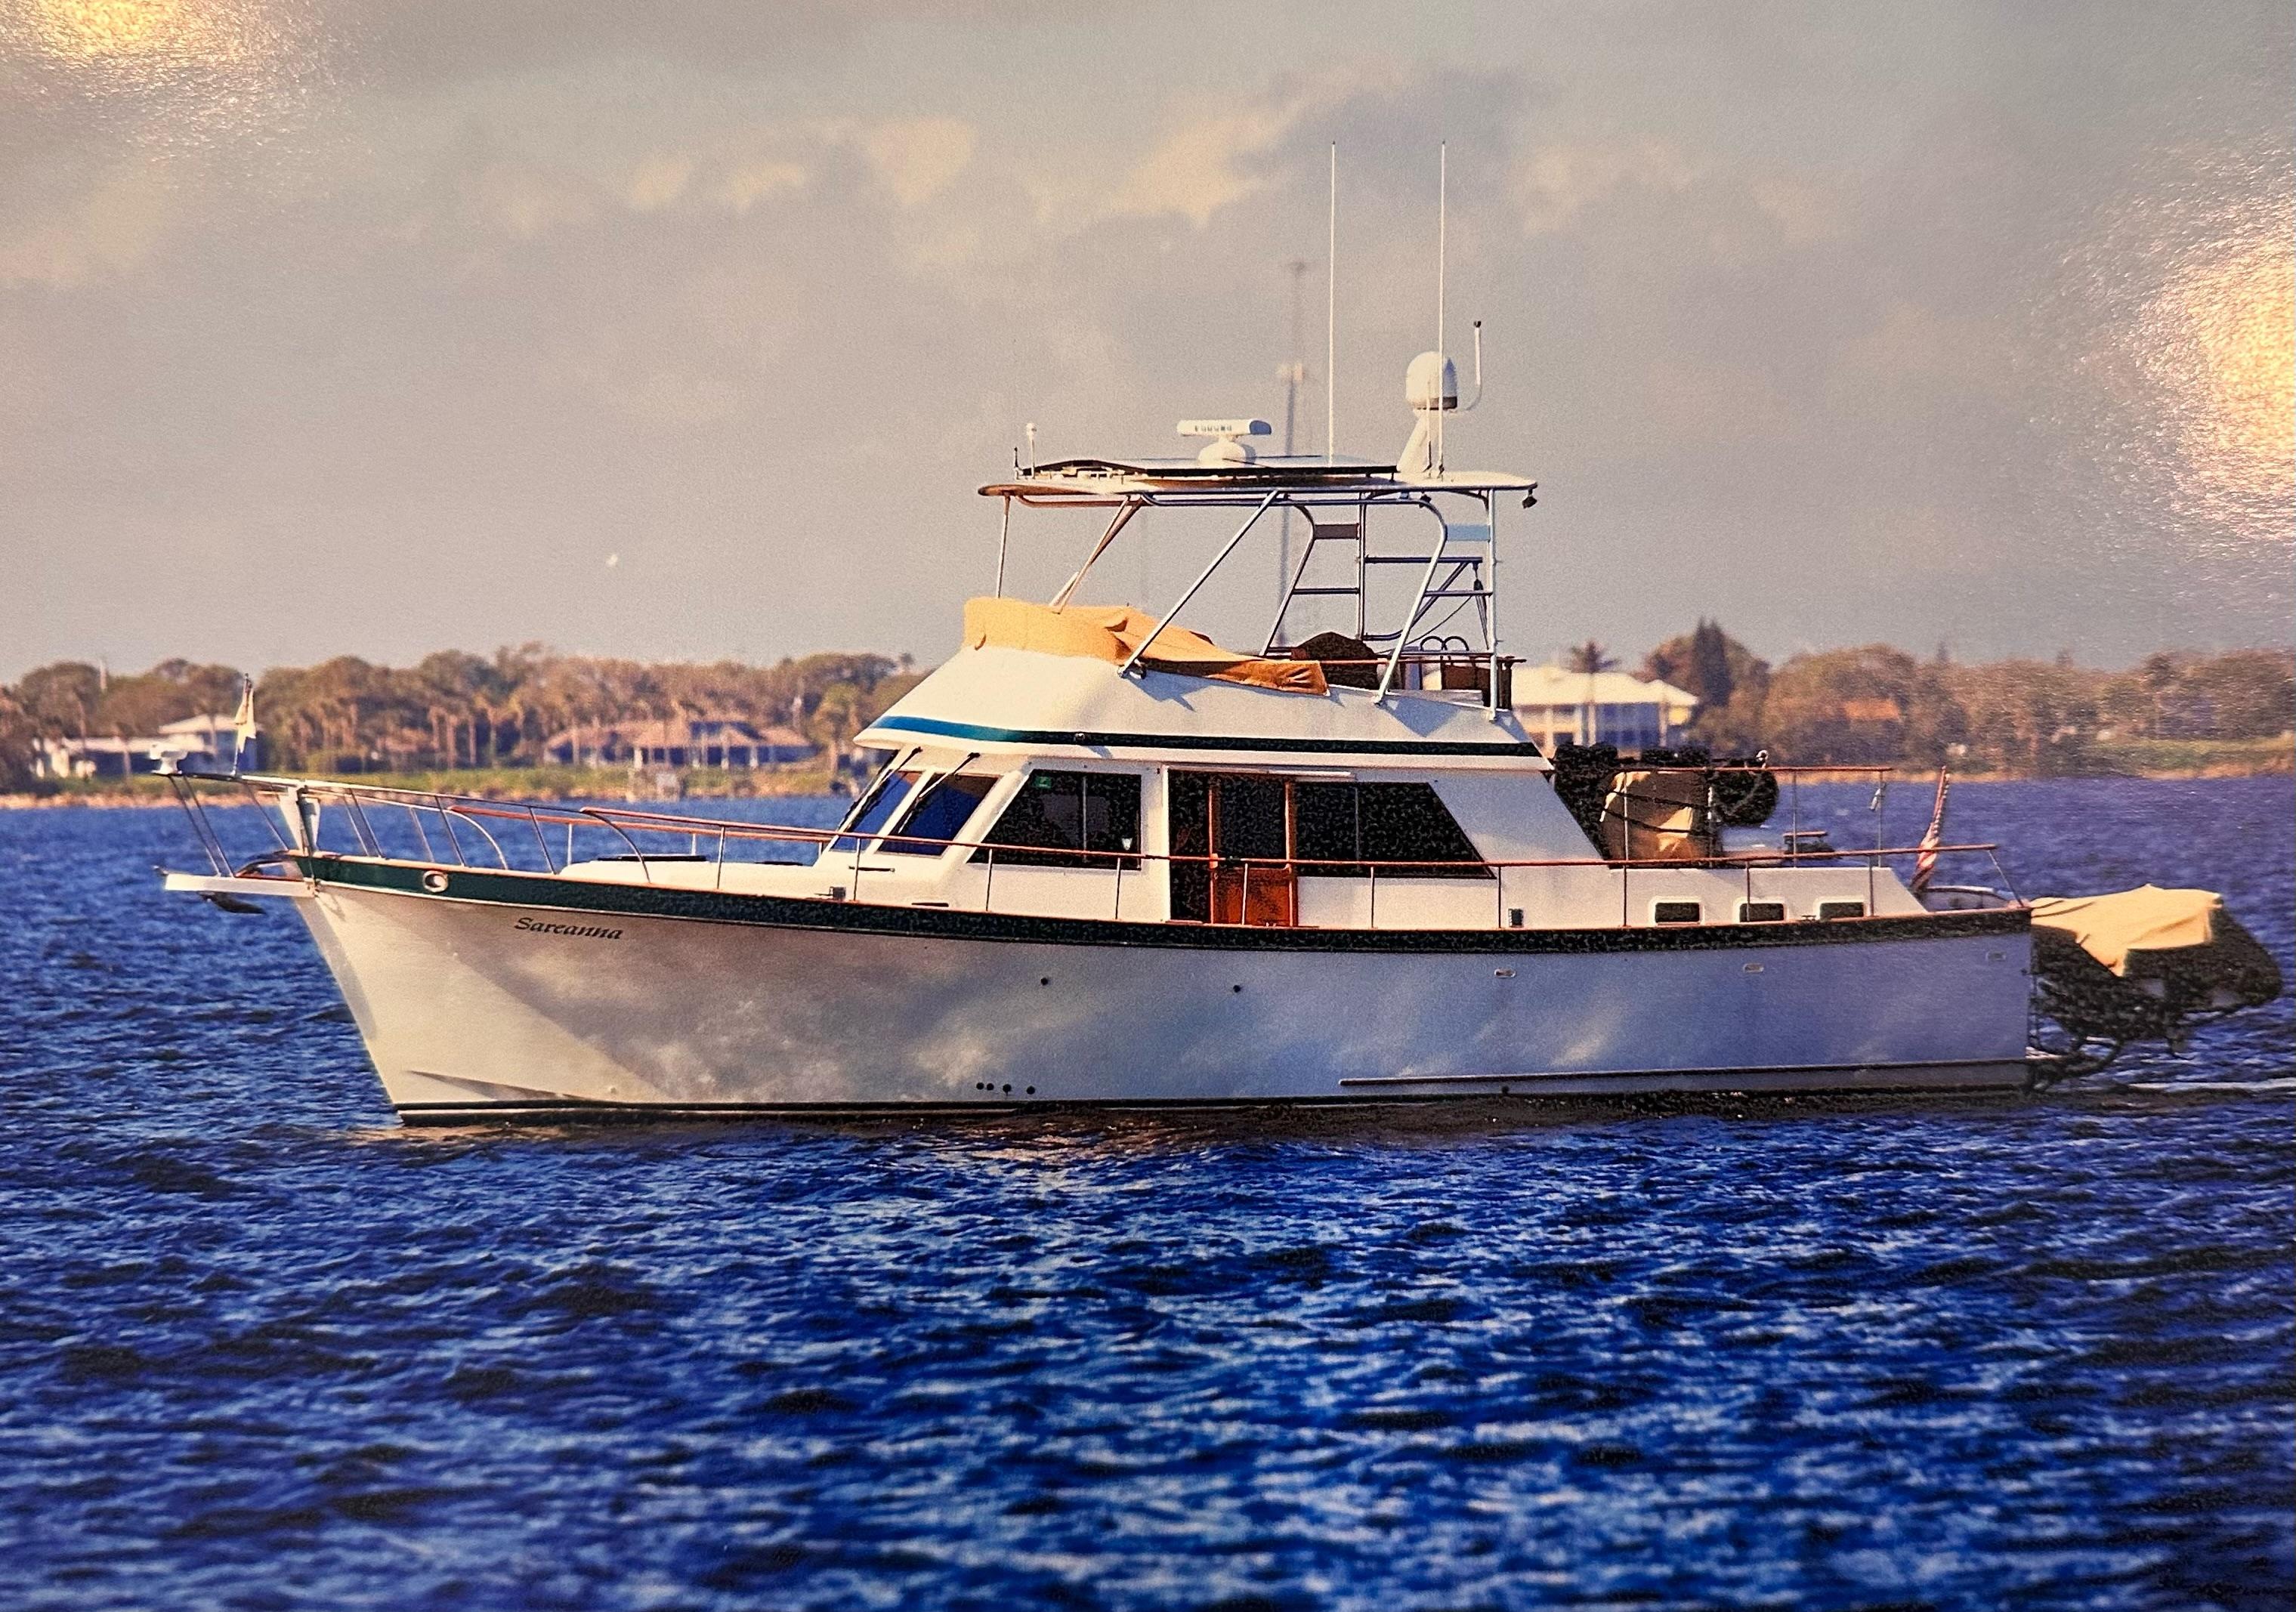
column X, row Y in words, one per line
column 242, row 725
column 1925, row 863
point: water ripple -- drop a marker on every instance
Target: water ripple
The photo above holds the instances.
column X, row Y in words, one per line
column 259, row 1348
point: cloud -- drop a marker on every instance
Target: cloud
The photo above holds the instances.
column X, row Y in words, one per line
column 1555, row 184
column 1802, row 211
column 1909, row 349
column 1197, row 170
column 742, row 186
column 107, row 232
column 918, row 158
column 525, row 201
column 660, row 180
column 1714, row 404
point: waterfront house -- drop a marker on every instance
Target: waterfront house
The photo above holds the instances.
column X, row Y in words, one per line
column 203, row 744
column 1560, row 706
column 687, row 742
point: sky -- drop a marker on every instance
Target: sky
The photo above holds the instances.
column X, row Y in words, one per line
column 688, row 331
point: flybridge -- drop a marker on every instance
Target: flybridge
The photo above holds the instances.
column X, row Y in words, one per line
column 1440, row 526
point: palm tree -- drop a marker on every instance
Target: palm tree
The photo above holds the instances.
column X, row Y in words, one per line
column 1590, row 657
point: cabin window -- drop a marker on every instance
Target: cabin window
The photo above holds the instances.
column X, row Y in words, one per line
column 1070, row 820
column 876, row 811
column 1761, row 911
column 940, row 813
column 1337, row 828
column 1677, row 911
column 1842, row 909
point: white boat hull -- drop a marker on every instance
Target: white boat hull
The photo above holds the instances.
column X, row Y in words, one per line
column 498, row 1001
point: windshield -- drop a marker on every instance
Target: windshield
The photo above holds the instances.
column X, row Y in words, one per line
column 939, row 810
column 876, row 811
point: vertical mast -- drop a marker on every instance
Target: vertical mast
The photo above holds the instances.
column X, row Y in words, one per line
column 1442, row 242
column 1331, row 317
column 1295, row 375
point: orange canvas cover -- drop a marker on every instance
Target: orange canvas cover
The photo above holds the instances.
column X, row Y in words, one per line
column 1656, row 816
column 1112, row 631
column 2146, row 919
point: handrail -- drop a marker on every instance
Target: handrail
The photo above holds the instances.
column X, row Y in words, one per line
column 593, row 814
column 623, row 821
column 456, row 811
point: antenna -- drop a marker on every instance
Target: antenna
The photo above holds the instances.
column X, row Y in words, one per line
column 1331, row 317
column 1294, row 374
column 1442, row 244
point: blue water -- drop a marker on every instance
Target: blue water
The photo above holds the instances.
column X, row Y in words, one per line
column 259, row 1348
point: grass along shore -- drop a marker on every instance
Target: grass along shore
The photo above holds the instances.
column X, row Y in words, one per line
column 2119, row 758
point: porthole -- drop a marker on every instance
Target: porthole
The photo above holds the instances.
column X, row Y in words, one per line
column 1761, row 911
column 1842, row 909
column 1677, row 911
column 435, row 882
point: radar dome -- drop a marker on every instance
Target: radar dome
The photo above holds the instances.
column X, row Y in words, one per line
column 1429, row 372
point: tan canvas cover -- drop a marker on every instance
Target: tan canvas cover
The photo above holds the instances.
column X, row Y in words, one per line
column 1656, row 817
column 1112, row 631
column 2146, row 919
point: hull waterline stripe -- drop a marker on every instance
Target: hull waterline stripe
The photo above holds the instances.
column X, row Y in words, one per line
column 541, row 892
column 1732, row 1073
column 934, row 727
column 576, row 1110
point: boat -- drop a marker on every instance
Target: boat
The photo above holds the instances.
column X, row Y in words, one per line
column 1107, row 860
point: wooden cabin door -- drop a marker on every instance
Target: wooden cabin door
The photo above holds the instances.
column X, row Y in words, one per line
column 1238, row 827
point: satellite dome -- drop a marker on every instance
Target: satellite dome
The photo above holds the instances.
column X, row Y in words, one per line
column 1420, row 382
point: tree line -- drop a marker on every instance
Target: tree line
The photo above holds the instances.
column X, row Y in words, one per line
column 454, row 709
column 1877, row 704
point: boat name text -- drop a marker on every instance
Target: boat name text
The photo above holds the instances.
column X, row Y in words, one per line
column 535, row 926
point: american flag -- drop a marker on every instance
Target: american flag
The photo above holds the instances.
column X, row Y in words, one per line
column 242, row 725
column 1925, row 863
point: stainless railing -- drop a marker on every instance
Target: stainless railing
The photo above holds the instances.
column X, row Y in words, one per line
column 434, row 830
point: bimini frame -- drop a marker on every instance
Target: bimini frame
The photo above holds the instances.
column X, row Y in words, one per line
column 1460, row 565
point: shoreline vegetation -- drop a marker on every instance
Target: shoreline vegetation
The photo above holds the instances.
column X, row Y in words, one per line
column 2167, row 759
column 532, row 723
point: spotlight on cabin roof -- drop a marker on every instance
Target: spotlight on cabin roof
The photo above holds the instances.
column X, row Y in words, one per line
column 1226, row 447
